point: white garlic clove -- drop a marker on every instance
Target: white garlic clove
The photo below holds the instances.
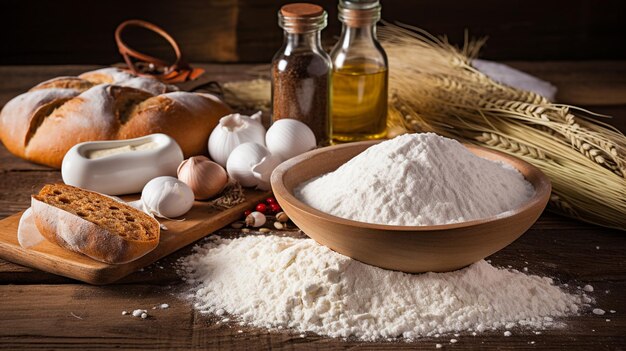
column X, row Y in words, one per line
column 288, row 138
column 167, row 197
column 257, row 116
column 262, row 171
column 245, row 158
column 232, row 131
column 255, row 219
column 205, row 177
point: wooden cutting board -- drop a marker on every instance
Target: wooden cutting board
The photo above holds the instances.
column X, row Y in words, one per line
column 200, row 221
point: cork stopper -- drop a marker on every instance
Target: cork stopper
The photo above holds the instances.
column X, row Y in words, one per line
column 302, row 18
column 301, row 10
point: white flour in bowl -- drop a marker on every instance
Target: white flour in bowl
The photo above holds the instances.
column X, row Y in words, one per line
column 279, row 282
column 417, row 179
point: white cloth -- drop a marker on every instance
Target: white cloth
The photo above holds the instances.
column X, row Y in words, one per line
column 512, row 77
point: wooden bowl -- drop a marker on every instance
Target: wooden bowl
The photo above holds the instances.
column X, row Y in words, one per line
column 412, row 249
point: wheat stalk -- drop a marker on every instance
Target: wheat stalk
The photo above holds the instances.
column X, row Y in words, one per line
column 562, row 205
column 231, row 196
column 511, row 146
column 434, row 88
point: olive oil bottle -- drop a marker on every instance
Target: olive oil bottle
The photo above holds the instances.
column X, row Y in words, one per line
column 359, row 102
column 359, row 76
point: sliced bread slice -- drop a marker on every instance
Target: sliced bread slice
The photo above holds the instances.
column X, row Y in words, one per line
column 93, row 224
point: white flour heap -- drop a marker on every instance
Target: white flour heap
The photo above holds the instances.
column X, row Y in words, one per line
column 417, row 179
column 279, row 282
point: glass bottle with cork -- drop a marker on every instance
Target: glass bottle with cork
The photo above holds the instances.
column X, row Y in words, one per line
column 301, row 70
column 359, row 75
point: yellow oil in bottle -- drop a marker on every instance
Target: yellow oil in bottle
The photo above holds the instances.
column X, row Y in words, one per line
column 359, row 102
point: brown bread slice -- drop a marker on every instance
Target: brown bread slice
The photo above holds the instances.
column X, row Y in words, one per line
column 93, row 224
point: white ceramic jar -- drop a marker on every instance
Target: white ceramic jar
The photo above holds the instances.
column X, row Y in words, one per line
column 119, row 167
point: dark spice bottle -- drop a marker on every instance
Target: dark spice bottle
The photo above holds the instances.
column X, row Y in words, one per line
column 301, row 70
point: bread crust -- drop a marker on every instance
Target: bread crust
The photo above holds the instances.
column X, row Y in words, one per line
column 73, row 83
column 108, row 104
column 183, row 116
column 18, row 114
column 79, row 235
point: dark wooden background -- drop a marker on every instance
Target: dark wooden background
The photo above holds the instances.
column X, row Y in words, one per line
column 70, row 31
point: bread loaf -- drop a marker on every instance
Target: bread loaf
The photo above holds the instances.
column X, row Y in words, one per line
column 42, row 124
column 93, row 224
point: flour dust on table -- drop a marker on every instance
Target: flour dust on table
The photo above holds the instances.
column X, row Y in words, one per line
column 417, row 179
column 282, row 282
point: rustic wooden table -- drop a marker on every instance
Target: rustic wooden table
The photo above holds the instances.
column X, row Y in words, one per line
column 39, row 310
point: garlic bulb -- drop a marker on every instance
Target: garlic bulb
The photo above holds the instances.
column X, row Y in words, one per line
column 251, row 165
column 232, row 131
column 205, row 177
column 166, row 197
column 288, row 138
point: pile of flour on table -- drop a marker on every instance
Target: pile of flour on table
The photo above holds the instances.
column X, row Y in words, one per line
column 281, row 282
column 417, row 179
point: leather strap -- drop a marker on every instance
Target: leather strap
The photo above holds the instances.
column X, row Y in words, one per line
column 150, row 66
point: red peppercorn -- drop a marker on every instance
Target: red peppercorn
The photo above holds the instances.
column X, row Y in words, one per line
column 261, row 208
column 275, row 208
column 270, row 200
column 247, row 213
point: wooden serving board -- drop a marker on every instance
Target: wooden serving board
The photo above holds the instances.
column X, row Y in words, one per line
column 200, row 221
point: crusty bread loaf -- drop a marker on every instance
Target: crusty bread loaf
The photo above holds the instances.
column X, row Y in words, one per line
column 42, row 124
column 93, row 224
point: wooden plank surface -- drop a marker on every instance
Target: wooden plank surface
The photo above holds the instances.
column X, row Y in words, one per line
column 198, row 222
column 43, row 311
column 569, row 255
